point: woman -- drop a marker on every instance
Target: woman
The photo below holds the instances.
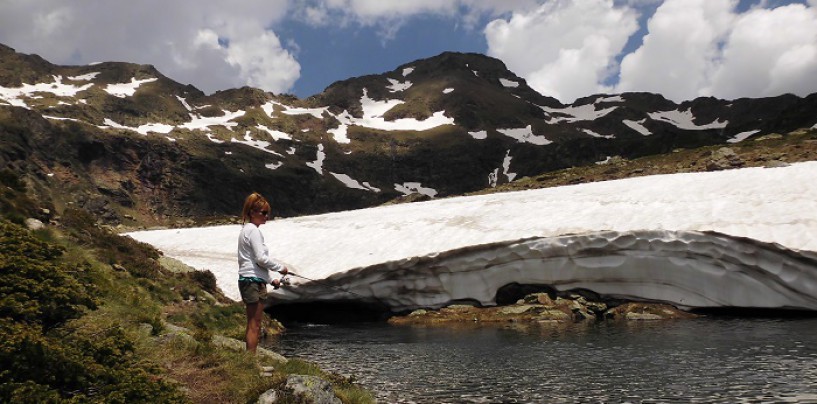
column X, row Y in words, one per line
column 254, row 265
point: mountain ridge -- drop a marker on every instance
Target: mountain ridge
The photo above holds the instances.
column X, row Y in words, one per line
column 138, row 148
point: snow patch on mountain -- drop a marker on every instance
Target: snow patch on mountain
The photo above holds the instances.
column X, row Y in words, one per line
column 316, row 112
column 685, row 120
column 123, row 90
column 15, row 95
column 397, row 86
column 142, row 129
column 587, row 112
column 340, row 133
column 742, row 136
column 184, row 103
column 373, row 111
column 256, row 144
column 275, row 134
column 198, row 122
column 525, row 135
column 84, row 77
column 594, row 134
column 638, row 126
column 493, row 176
column 353, row 183
column 317, row 165
column 508, row 83
column 614, row 98
column 408, row 188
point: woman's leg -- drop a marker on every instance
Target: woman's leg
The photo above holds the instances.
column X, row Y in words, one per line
column 255, row 312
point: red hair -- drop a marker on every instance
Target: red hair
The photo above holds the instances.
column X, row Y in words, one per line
column 254, row 203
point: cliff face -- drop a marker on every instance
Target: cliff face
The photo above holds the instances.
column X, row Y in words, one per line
column 135, row 147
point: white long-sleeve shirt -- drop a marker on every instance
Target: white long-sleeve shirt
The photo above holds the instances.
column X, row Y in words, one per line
column 253, row 254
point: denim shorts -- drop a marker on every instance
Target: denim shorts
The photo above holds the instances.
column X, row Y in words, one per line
column 252, row 292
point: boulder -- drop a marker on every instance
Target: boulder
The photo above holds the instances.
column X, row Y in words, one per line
column 646, row 311
column 540, row 308
column 269, row 397
column 34, row 224
column 313, row 389
column 723, row 159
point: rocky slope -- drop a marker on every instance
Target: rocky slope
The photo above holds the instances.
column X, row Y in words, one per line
column 137, row 148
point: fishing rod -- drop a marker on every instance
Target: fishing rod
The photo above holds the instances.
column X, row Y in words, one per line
column 285, row 281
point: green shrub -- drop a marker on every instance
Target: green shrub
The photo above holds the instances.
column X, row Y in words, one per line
column 12, row 180
column 35, row 286
column 205, row 279
column 15, row 206
column 47, row 352
column 98, row 366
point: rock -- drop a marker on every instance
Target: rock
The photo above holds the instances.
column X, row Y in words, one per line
column 518, row 309
column 269, row 397
column 417, row 313
column 229, row 343
column 457, row 308
column 776, row 164
column 174, row 265
column 642, row 316
column 553, row 315
column 597, row 307
column 145, row 328
column 271, row 355
column 646, row 311
column 170, row 331
column 723, row 159
column 119, row 268
column 237, row 345
column 771, row 136
column 545, row 300
column 34, row 224
column 313, row 389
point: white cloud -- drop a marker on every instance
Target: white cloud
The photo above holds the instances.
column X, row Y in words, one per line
column 184, row 39
column 565, row 49
column 769, row 52
column 391, row 16
column 371, row 10
column 677, row 56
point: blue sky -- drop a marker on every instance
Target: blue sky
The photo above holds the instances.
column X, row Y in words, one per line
column 333, row 54
column 564, row 48
column 329, row 55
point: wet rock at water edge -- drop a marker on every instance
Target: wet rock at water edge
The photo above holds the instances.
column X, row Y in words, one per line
column 541, row 308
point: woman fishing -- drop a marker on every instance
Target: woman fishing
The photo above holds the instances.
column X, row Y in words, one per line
column 254, row 265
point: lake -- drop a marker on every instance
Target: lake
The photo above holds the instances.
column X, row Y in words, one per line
column 702, row 360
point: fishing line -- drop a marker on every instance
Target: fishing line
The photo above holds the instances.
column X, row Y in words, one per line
column 285, row 281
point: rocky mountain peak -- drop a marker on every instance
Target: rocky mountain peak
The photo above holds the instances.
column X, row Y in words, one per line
column 444, row 125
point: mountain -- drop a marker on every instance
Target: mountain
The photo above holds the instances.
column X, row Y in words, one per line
column 137, row 148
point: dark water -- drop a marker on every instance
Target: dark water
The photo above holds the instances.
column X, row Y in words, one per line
column 703, row 360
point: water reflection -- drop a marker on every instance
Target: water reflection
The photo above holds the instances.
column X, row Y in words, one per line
column 702, row 360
